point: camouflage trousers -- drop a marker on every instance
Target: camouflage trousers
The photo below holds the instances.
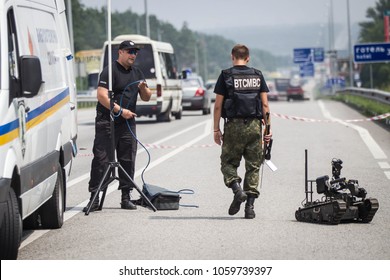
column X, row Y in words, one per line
column 242, row 139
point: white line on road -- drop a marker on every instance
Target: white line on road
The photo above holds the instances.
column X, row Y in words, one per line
column 374, row 148
column 141, row 150
column 384, row 164
column 77, row 209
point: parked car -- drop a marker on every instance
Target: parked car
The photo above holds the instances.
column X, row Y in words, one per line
column 273, row 94
column 195, row 95
column 210, row 85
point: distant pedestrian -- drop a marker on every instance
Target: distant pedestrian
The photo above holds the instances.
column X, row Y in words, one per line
column 241, row 100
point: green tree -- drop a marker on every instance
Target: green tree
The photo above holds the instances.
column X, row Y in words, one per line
column 373, row 31
column 205, row 54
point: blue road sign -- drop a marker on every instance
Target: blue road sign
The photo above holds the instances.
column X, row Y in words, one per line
column 302, row 55
column 306, row 55
column 319, row 54
column 369, row 53
column 306, row 69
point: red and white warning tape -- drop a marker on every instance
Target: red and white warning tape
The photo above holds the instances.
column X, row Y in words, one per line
column 375, row 118
column 155, row 146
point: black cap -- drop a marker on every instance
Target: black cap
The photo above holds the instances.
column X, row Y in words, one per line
column 125, row 45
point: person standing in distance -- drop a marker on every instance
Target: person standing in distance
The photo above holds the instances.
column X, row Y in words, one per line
column 127, row 82
column 241, row 100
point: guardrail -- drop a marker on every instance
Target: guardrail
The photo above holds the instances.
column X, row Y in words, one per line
column 86, row 101
column 373, row 94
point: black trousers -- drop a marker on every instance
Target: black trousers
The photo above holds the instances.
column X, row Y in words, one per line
column 125, row 147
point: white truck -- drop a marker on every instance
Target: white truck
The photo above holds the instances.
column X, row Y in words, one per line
column 38, row 118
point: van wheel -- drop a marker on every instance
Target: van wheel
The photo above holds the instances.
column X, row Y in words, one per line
column 11, row 229
column 31, row 222
column 52, row 212
column 179, row 114
column 165, row 117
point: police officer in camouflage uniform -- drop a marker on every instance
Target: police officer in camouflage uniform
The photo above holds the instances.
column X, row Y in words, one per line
column 241, row 100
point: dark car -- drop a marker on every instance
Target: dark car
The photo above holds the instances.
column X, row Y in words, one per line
column 294, row 90
column 195, row 95
column 295, row 93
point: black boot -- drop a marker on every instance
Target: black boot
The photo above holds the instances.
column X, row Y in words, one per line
column 95, row 204
column 126, row 203
column 239, row 197
column 249, row 208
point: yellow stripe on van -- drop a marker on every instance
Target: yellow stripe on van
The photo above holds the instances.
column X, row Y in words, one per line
column 47, row 113
column 10, row 131
column 8, row 137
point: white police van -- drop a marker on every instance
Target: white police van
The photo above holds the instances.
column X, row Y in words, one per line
column 38, row 126
column 157, row 61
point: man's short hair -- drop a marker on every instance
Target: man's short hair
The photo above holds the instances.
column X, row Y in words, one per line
column 240, row 51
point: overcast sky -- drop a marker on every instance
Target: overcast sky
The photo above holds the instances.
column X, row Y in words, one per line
column 203, row 15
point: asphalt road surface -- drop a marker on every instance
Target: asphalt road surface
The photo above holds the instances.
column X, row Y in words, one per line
column 183, row 155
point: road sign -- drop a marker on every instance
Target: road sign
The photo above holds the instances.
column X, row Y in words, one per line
column 318, row 54
column 373, row 52
column 305, row 55
column 302, row 55
column 306, row 69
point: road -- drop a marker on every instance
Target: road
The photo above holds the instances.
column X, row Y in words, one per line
column 183, row 155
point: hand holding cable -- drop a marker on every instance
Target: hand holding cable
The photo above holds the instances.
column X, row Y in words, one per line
column 127, row 114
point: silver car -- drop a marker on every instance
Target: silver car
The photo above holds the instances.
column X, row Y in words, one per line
column 195, row 95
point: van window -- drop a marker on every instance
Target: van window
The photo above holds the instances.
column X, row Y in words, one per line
column 12, row 56
column 144, row 60
column 170, row 65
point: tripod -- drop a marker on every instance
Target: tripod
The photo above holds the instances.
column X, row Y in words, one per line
column 110, row 172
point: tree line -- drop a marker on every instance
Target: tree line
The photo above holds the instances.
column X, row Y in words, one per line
column 204, row 54
column 373, row 31
column 208, row 54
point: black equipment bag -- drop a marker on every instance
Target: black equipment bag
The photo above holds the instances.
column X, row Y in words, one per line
column 162, row 198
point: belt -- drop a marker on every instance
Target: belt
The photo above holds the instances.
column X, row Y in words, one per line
column 243, row 120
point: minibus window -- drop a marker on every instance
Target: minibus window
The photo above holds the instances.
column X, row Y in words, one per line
column 144, row 61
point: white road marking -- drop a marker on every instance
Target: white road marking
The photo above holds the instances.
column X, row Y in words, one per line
column 374, row 148
column 77, row 209
column 384, row 165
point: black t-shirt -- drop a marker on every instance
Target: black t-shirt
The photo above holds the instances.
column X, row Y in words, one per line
column 124, row 86
column 220, row 86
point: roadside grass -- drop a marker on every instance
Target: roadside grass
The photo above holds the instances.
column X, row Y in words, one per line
column 365, row 106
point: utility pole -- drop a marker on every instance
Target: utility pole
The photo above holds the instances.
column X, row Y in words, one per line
column 351, row 70
column 147, row 18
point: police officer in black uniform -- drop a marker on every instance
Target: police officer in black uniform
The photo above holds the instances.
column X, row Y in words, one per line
column 127, row 82
column 241, row 100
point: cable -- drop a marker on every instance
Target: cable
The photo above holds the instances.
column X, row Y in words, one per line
column 182, row 191
column 146, row 150
column 129, row 127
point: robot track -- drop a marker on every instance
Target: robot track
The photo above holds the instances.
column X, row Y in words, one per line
column 368, row 209
column 330, row 212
